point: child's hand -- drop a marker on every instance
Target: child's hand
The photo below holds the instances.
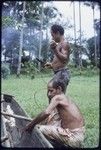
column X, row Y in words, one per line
column 53, row 44
column 48, row 65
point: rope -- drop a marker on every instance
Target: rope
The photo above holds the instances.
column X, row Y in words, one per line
column 42, row 78
column 43, row 68
column 35, row 99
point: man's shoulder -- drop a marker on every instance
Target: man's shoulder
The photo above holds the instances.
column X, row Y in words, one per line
column 59, row 97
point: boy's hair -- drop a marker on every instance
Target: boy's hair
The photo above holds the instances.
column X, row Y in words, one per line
column 57, row 28
column 58, row 82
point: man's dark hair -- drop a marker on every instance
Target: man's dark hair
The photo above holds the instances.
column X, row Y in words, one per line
column 57, row 28
column 58, row 82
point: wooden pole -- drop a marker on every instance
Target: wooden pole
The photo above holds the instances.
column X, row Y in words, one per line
column 15, row 116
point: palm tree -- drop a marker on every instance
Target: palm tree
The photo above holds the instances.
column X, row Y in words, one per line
column 21, row 42
column 41, row 27
column 92, row 5
column 74, row 21
column 75, row 49
column 80, row 54
column 97, row 29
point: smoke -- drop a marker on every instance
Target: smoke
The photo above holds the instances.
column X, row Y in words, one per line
column 10, row 37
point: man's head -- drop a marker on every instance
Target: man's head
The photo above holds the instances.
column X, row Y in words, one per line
column 57, row 31
column 55, row 87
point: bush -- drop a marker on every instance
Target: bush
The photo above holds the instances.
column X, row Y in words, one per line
column 86, row 63
column 29, row 69
column 5, row 70
column 84, row 71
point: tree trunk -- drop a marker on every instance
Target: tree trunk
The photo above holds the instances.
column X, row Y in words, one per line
column 47, row 58
column 75, row 49
column 30, row 37
column 94, row 40
column 11, row 60
column 5, row 57
column 74, row 21
column 92, row 5
column 40, row 44
column 21, row 43
column 80, row 52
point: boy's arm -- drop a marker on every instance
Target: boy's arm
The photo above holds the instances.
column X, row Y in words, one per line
column 48, row 65
column 64, row 53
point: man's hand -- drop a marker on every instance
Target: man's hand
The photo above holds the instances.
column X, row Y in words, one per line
column 53, row 44
column 48, row 65
column 27, row 128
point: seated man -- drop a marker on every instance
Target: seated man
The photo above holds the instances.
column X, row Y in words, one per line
column 65, row 123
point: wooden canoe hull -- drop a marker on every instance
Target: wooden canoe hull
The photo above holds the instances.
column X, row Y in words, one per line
column 16, row 139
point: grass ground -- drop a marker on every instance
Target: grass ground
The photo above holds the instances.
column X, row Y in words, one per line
column 31, row 95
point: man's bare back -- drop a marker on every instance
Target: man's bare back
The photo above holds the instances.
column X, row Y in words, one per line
column 69, row 113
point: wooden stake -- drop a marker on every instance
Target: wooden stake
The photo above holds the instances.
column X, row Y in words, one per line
column 15, row 116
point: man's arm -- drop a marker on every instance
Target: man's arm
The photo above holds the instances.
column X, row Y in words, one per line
column 40, row 117
column 64, row 53
column 53, row 104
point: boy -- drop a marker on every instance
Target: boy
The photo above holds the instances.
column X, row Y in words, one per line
column 61, row 51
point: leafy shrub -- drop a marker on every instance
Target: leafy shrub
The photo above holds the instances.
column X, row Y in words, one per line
column 5, row 70
column 86, row 63
column 84, row 71
column 29, row 69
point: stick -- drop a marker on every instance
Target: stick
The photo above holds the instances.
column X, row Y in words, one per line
column 40, row 60
column 15, row 116
column 3, row 139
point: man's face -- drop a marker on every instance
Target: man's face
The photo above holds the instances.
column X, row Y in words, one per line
column 51, row 92
column 55, row 36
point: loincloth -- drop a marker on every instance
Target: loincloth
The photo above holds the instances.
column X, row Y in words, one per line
column 73, row 138
column 62, row 74
column 54, row 118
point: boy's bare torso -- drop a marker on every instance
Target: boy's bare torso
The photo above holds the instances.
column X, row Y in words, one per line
column 57, row 63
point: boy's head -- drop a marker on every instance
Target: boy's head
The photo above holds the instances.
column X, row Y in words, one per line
column 56, row 32
column 55, row 87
